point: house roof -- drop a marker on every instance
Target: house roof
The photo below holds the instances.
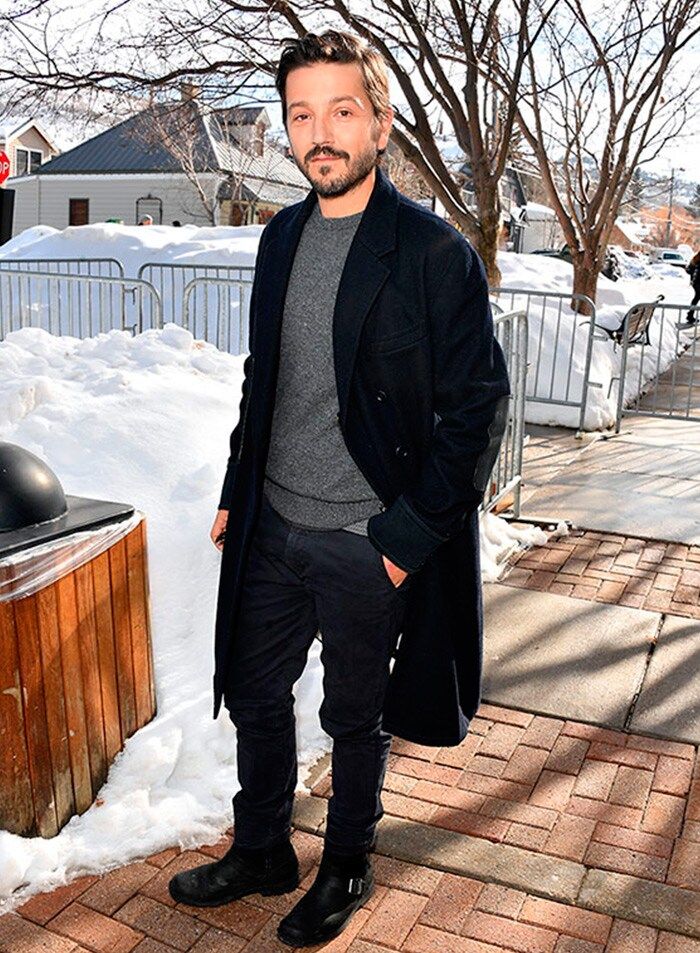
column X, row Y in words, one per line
column 13, row 126
column 136, row 145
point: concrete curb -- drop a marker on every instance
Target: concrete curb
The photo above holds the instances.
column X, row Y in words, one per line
column 631, row 898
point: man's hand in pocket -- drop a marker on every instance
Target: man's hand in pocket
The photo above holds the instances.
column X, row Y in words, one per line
column 396, row 575
column 218, row 530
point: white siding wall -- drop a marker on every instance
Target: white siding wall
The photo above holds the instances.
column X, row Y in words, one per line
column 44, row 200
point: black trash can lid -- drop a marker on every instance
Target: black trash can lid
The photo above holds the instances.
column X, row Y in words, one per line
column 30, row 492
column 34, row 509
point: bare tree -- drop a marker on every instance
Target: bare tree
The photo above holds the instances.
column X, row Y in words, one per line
column 597, row 100
column 442, row 57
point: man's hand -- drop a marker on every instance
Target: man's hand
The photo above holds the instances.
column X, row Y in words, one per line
column 396, row 575
column 218, row 528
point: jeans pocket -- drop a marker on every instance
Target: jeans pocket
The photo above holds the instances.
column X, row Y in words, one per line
column 382, row 568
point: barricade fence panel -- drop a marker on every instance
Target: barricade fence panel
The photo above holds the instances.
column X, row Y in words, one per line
column 75, row 305
column 217, row 310
column 230, row 305
column 662, row 378
column 93, row 267
column 511, row 331
column 560, row 345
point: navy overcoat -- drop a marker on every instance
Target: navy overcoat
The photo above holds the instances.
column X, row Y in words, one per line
column 422, row 389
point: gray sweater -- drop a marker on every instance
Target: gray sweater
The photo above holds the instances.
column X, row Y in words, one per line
column 310, row 477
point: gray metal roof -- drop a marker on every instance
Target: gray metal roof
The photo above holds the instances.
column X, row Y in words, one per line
column 132, row 147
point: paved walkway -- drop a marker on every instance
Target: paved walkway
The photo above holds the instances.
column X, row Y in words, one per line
column 568, row 821
column 644, row 482
column 535, row 835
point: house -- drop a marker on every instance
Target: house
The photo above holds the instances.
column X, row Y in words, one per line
column 178, row 160
column 25, row 143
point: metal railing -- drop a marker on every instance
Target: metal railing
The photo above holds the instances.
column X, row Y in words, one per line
column 170, row 280
column 560, row 362
column 76, row 305
column 511, row 331
column 221, row 309
column 672, row 391
column 93, row 267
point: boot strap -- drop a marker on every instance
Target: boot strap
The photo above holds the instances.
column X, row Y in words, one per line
column 355, row 886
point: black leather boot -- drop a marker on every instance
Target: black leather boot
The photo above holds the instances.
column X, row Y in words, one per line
column 342, row 886
column 240, row 871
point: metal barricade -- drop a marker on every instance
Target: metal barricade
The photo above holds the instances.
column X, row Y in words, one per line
column 170, row 279
column 659, row 387
column 511, row 331
column 76, row 305
column 560, row 361
column 93, row 267
column 217, row 310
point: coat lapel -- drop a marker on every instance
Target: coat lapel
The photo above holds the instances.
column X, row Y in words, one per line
column 362, row 278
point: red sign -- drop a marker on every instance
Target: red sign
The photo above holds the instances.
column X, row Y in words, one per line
column 4, row 166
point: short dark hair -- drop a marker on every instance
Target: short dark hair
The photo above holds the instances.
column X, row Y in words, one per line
column 336, row 46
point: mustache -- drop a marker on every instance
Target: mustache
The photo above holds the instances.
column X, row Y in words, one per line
column 325, row 154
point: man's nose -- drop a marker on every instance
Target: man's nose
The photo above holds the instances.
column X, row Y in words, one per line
column 321, row 134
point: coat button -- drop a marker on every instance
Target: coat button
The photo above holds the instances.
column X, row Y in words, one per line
column 401, row 451
column 381, row 395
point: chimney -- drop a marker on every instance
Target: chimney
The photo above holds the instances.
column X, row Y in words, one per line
column 189, row 91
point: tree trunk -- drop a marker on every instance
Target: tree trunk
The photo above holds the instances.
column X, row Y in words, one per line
column 586, row 271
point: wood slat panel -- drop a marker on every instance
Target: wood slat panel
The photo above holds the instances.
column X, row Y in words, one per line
column 139, row 626
column 106, row 651
column 122, row 637
column 89, row 659
column 36, row 728
column 47, row 617
column 147, row 610
column 73, row 692
column 16, row 802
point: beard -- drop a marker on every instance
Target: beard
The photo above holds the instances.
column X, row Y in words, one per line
column 340, row 176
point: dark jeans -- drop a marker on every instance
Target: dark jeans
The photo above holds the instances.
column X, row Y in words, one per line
column 299, row 582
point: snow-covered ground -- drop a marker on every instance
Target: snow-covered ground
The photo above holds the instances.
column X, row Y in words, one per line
column 557, row 335
column 146, row 419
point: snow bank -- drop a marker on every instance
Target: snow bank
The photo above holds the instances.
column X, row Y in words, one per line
column 144, row 420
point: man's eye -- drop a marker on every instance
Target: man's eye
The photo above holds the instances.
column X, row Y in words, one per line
column 348, row 111
column 300, row 116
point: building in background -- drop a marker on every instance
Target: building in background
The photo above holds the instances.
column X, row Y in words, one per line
column 174, row 161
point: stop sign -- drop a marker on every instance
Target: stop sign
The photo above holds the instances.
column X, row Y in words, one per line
column 4, row 166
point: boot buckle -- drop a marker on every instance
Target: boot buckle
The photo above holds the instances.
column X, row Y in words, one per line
column 355, row 885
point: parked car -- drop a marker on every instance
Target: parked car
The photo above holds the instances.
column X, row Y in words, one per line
column 668, row 256
column 562, row 252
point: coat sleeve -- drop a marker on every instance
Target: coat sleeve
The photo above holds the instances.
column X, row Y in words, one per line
column 471, row 396
column 235, row 438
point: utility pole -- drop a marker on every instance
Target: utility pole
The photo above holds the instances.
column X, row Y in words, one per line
column 669, row 220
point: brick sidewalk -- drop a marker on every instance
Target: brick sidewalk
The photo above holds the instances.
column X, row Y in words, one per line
column 561, row 798
column 621, row 570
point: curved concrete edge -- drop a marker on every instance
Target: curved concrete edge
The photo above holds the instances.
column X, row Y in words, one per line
column 542, row 875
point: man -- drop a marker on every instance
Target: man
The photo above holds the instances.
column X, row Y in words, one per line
column 693, row 269
column 374, row 402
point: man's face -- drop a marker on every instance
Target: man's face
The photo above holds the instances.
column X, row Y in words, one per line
column 329, row 115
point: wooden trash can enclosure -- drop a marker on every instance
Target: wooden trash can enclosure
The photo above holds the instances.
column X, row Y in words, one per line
column 76, row 667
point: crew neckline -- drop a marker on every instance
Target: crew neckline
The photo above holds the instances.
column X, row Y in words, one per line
column 338, row 221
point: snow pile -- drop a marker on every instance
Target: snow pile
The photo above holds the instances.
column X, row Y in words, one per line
column 134, row 245
column 144, row 420
column 500, row 539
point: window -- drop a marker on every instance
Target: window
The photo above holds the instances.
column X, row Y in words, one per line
column 21, row 161
column 27, row 160
column 78, row 211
